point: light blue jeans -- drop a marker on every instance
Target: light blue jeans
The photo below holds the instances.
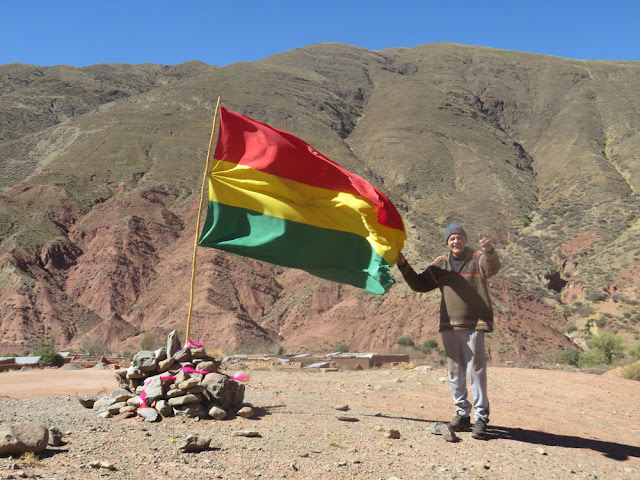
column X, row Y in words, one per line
column 466, row 358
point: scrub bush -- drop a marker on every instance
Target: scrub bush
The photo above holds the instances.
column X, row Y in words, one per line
column 632, row 372
column 49, row 357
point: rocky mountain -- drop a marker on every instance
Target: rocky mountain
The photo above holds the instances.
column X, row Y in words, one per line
column 102, row 168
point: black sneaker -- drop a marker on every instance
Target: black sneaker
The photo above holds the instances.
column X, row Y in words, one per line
column 479, row 429
column 460, row 424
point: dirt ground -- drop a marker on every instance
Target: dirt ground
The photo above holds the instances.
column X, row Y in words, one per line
column 55, row 383
column 544, row 424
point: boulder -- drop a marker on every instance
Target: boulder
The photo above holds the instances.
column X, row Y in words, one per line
column 217, row 413
column 99, row 403
column 192, row 410
column 182, row 356
column 164, row 409
column 161, row 354
column 23, row 437
column 122, row 380
column 246, row 412
column 145, row 360
column 165, row 365
column 154, row 389
column 188, row 383
column 195, row 443
column 120, row 395
column 55, row 437
column 174, row 392
column 196, row 389
column 87, row 402
column 209, row 366
column 134, row 373
column 114, row 409
column 181, row 376
column 220, row 390
column 173, row 343
column 149, row 414
column 198, row 352
column 135, row 402
column 185, row 400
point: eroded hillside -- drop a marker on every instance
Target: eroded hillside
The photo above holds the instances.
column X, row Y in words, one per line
column 102, row 168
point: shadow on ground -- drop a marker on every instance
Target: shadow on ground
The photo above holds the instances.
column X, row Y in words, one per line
column 616, row 451
column 613, row 450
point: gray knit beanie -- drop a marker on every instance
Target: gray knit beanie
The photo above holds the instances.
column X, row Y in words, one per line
column 454, row 228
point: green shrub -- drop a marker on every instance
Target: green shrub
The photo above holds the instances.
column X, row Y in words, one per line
column 595, row 296
column 568, row 357
column 406, row 342
column 49, row 357
column 591, row 358
column 608, row 344
column 428, row 346
column 584, row 310
column 340, row 348
column 634, row 351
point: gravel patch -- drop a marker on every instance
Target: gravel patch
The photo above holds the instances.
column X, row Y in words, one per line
column 544, row 424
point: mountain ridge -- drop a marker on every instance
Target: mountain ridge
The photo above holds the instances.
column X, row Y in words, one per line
column 98, row 203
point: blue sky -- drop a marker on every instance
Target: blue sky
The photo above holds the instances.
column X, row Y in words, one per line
column 80, row 33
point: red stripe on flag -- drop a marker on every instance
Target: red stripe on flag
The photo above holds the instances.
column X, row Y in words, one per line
column 263, row 147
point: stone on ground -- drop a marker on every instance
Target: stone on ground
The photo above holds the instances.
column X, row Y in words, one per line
column 23, row 437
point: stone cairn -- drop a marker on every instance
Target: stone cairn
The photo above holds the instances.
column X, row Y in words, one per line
column 170, row 381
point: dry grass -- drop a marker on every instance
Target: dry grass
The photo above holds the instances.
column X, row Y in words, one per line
column 29, row 458
column 407, row 366
column 260, row 366
column 632, row 372
column 215, row 353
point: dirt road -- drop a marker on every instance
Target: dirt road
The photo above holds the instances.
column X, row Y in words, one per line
column 544, row 424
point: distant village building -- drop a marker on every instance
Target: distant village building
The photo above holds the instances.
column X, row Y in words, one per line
column 16, row 363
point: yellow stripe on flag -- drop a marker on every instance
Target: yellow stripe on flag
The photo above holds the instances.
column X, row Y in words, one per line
column 244, row 187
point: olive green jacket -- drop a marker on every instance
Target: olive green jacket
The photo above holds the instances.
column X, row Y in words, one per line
column 465, row 302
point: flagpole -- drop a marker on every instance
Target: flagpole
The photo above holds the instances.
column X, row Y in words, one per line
column 195, row 245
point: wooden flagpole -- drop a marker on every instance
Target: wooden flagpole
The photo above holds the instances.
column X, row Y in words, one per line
column 195, row 245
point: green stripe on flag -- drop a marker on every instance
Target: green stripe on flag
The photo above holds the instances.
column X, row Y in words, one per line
column 331, row 254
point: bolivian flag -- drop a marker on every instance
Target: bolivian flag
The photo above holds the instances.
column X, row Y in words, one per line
column 274, row 198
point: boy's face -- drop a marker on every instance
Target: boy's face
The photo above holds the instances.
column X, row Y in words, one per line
column 457, row 244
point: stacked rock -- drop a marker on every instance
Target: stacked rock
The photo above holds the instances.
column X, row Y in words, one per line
column 172, row 381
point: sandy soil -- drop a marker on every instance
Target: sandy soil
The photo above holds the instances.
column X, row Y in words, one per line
column 55, row 383
column 544, row 424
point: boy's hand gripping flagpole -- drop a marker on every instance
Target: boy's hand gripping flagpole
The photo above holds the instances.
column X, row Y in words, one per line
column 195, row 246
